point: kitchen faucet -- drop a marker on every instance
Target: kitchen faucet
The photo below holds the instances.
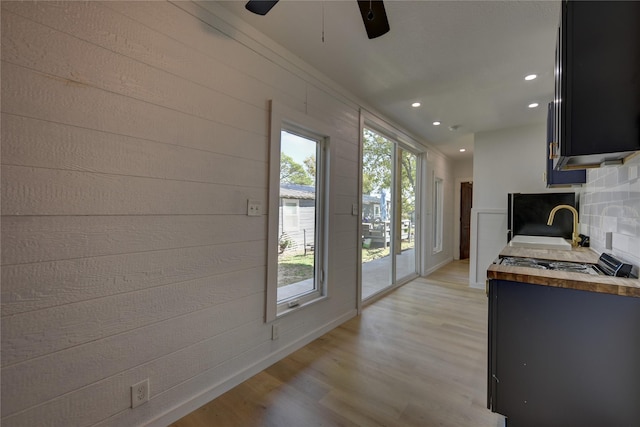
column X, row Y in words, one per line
column 575, row 239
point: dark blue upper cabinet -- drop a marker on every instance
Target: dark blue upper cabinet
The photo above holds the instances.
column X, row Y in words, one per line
column 559, row 178
column 597, row 91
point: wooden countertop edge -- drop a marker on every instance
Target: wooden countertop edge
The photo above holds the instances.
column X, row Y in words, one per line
column 559, row 279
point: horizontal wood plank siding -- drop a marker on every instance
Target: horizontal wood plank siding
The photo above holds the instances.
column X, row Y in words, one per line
column 37, row 143
column 29, row 239
column 133, row 134
column 197, row 303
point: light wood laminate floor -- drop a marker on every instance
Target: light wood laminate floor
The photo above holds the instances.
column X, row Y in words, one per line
column 416, row 357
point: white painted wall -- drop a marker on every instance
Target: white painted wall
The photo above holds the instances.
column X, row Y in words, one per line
column 463, row 169
column 504, row 161
column 133, row 134
column 507, row 161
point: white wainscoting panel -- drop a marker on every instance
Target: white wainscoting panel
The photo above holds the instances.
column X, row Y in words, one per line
column 488, row 238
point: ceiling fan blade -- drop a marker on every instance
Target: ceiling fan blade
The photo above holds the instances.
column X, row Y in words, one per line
column 260, row 7
column 374, row 17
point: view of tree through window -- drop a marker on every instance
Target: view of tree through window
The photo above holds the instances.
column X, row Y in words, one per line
column 376, row 182
column 292, row 172
column 389, row 180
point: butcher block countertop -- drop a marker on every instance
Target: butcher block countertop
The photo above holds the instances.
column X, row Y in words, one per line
column 562, row 279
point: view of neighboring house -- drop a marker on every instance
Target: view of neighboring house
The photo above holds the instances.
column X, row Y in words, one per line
column 297, row 220
column 297, row 215
column 372, row 208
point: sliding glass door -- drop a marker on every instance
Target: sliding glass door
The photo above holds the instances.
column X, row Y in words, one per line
column 389, row 213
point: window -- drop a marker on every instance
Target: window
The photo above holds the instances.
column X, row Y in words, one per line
column 437, row 214
column 290, row 216
column 297, row 213
column 376, row 211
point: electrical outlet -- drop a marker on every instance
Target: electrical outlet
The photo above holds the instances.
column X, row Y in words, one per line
column 254, row 208
column 275, row 331
column 354, row 209
column 140, row 393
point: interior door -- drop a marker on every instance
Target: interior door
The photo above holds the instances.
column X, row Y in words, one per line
column 466, row 201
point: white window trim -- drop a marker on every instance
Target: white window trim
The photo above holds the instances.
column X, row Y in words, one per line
column 438, row 214
column 283, row 117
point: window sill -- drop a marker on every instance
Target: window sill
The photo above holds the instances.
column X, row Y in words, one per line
column 283, row 310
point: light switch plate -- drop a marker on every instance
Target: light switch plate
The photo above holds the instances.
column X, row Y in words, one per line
column 254, row 208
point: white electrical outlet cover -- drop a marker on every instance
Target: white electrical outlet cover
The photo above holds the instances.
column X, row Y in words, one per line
column 140, row 393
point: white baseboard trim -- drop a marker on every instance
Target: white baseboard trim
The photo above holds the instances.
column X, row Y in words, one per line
column 225, row 385
column 437, row 266
column 477, row 285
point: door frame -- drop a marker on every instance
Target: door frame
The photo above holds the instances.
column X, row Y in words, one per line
column 400, row 141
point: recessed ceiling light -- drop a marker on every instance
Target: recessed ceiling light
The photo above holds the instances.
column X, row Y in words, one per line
column 462, row 150
column 530, row 77
column 533, row 105
column 436, row 123
column 415, row 104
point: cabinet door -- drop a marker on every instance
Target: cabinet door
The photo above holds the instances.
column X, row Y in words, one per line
column 492, row 389
column 563, row 357
column 559, row 178
column 597, row 85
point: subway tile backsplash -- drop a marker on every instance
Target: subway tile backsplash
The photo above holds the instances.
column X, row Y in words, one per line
column 610, row 202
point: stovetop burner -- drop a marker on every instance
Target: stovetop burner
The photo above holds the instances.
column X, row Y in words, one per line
column 607, row 265
column 550, row 265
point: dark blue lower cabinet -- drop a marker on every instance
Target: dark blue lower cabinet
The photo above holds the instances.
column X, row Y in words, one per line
column 563, row 357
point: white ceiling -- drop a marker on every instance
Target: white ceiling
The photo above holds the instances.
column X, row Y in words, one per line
column 464, row 61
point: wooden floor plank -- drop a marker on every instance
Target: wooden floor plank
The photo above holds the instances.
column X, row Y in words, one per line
column 416, row 357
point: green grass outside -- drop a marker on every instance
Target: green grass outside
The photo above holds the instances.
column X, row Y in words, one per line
column 293, row 268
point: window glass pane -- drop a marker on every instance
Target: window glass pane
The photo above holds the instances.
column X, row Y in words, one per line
column 406, row 245
column 297, row 217
column 377, row 212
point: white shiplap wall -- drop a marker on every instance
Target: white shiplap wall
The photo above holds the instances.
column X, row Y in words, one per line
column 133, row 134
